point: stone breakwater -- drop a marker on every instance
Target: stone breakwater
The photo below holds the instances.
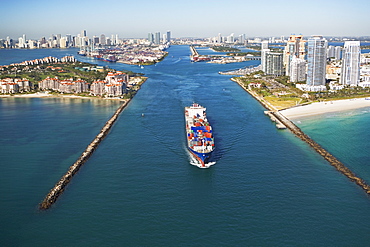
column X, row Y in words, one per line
column 320, row 150
column 329, row 157
column 59, row 187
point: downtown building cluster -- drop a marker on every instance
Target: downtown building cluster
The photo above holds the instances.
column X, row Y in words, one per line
column 79, row 40
column 59, row 41
column 307, row 63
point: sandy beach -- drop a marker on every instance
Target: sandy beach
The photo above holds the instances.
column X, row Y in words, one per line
column 47, row 95
column 325, row 107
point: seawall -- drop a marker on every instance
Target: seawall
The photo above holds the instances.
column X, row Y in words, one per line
column 301, row 135
column 59, row 187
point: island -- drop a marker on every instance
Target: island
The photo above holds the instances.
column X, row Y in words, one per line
column 67, row 77
column 138, row 54
column 51, row 76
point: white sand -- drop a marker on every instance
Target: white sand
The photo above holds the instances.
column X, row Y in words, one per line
column 325, row 107
column 45, row 95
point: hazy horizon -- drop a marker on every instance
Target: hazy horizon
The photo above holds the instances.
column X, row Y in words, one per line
column 192, row 18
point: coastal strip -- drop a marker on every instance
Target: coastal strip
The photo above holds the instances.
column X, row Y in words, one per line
column 59, row 187
column 301, row 135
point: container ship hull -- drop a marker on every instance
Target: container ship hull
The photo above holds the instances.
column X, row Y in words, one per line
column 200, row 141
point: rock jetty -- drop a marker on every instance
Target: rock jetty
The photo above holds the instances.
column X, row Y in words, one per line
column 279, row 118
column 59, row 187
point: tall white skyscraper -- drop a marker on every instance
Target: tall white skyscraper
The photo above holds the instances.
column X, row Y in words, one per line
column 350, row 74
column 264, row 50
column 316, row 61
column 297, row 69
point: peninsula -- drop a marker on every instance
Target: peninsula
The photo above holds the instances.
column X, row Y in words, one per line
column 283, row 122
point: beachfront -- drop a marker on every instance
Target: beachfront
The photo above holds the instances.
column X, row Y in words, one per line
column 325, row 107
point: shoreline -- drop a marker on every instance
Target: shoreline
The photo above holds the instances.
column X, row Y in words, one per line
column 60, row 186
column 47, row 95
column 288, row 123
column 319, row 108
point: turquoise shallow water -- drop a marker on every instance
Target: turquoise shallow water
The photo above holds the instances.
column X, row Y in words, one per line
column 267, row 187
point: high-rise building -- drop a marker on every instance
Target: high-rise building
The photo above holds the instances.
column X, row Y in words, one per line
column 150, row 38
column 69, row 40
column 264, row 44
column 95, row 40
column 274, row 63
column 219, row 38
column 117, row 40
column 63, row 42
column 168, row 36
column 295, row 47
column 264, row 50
column 316, row 60
column 338, row 52
column 297, row 69
column 230, row 39
column 350, row 74
column 157, row 38
column 102, row 39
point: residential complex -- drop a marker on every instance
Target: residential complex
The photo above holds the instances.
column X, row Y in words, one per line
column 114, row 85
column 274, row 63
column 295, row 47
column 297, row 70
column 350, row 74
column 11, row 85
column 316, row 64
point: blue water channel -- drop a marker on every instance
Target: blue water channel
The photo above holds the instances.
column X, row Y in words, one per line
column 267, row 187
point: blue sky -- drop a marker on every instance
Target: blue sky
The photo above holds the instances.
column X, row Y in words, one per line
column 187, row 18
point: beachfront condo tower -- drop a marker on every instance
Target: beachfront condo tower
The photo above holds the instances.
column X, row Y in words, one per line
column 316, row 61
column 350, row 74
column 274, row 63
column 295, row 47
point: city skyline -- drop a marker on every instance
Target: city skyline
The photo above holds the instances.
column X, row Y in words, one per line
column 185, row 19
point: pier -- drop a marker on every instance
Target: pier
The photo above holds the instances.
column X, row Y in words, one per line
column 281, row 119
column 59, row 187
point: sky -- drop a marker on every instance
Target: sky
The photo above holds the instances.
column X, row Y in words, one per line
column 184, row 18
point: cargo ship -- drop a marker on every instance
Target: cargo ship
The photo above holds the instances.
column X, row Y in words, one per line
column 200, row 140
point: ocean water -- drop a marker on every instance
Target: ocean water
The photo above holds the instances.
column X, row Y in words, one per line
column 267, row 187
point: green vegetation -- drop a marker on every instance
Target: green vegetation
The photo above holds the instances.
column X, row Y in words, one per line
column 133, row 90
column 280, row 93
column 77, row 70
column 276, row 90
column 36, row 73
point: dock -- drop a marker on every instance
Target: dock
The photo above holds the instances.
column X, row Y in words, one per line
column 333, row 161
column 60, row 186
